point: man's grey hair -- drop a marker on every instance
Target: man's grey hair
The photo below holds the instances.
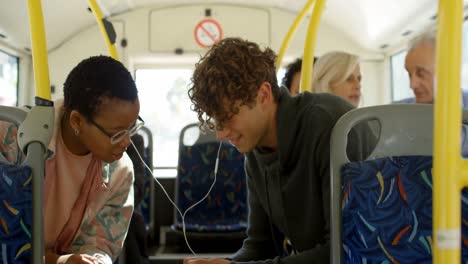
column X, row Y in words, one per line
column 428, row 37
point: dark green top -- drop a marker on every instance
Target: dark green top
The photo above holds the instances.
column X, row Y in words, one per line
column 289, row 190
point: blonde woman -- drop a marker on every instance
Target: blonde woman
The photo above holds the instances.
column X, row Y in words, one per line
column 338, row 73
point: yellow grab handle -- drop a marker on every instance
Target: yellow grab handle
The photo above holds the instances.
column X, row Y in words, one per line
column 39, row 50
column 99, row 19
column 448, row 164
column 292, row 30
column 309, row 47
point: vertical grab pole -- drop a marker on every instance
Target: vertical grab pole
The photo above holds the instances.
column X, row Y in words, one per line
column 39, row 49
column 447, row 134
column 309, row 47
column 292, row 30
column 43, row 97
column 100, row 20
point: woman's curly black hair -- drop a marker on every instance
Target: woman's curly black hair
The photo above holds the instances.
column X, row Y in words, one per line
column 94, row 78
column 229, row 76
column 291, row 69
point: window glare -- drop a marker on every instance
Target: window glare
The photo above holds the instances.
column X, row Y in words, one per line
column 400, row 80
column 8, row 79
column 165, row 107
column 280, row 74
column 464, row 73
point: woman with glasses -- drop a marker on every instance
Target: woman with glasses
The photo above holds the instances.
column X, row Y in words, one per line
column 88, row 197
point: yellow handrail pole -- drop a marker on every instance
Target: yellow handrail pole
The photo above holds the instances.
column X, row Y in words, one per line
column 464, row 172
column 309, row 47
column 447, row 159
column 42, row 101
column 292, row 30
column 99, row 18
column 39, row 50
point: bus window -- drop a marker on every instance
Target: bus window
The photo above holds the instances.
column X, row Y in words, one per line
column 464, row 75
column 280, row 75
column 8, row 79
column 400, row 80
column 165, row 106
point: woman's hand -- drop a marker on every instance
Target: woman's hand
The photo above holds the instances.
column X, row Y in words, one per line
column 52, row 258
column 205, row 261
column 82, row 259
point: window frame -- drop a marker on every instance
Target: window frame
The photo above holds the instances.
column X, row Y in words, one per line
column 2, row 50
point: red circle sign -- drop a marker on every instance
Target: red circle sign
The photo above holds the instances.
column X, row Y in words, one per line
column 208, row 32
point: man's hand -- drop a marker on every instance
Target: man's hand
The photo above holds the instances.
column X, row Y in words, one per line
column 205, row 261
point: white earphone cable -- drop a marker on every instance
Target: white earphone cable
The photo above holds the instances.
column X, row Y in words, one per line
column 172, row 202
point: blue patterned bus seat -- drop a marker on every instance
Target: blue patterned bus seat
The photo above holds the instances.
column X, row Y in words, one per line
column 387, row 211
column 225, row 209
column 15, row 214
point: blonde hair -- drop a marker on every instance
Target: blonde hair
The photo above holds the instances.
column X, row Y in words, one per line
column 332, row 69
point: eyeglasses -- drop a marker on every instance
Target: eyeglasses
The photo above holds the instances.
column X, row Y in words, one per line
column 121, row 135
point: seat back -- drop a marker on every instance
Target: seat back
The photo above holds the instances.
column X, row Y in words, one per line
column 148, row 195
column 15, row 213
column 134, row 152
column 387, row 211
column 397, row 209
column 21, row 217
column 225, row 208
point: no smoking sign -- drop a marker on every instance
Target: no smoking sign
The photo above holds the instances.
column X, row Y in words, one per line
column 208, row 32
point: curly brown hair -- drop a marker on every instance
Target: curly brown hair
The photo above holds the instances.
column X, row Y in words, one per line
column 229, row 76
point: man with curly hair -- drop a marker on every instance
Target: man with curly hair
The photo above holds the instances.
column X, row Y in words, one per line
column 286, row 140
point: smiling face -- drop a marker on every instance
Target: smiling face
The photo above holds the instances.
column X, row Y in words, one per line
column 350, row 89
column 245, row 130
column 113, row 115
column 252, row 125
